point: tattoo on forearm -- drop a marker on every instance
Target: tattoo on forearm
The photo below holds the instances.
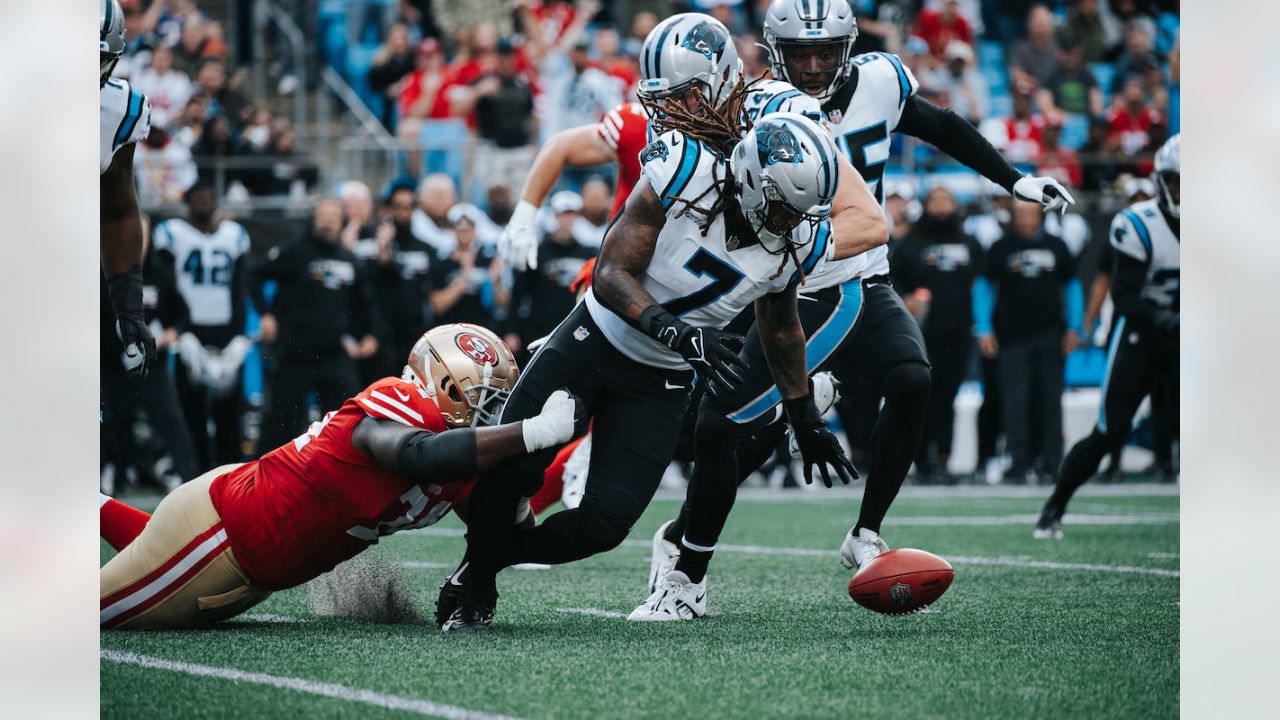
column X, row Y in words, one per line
column 782, row 336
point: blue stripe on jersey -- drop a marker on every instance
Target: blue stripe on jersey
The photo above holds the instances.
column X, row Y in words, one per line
column 1143, row 234
column 1106, row 377
column 688, row 163
column 818, row 251
column 131, row 117
column 904, row 85
column 773, row 105
column 818, row 348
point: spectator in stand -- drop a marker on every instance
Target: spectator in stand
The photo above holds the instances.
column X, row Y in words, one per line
column 163, row 168
column 1090, row 29
column 579, row 93
column 468, row 283
column 934, row 268
column 499, row 205
column 1131, row 119
column 188, row 127
column 642, row 23
column 943, row 26
column 1138, row 54
column 1096, row 155
column 541, row 297
column 1061, row 164
column 167, row 89
column 597, row 199
column 900, row 208
column 256, row 135
column 392, row 63
column 1035, row 59
column 624, row 69
column 216, row 141
column 1017, row 136
column 324, row 303
column 728, row 12
column 424, row 96
column 1027, row 310
column 212, row 87
column 755, row 61
column 964, row 85
column 1073, row 88
column 357, row 207
column 189, row 53
column 503, row 104
column 430, row 222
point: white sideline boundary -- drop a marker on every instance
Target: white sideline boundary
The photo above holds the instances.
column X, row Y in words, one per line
column 310, row 687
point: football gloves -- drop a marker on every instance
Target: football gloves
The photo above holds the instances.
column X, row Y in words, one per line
column 125, row 293
column 518, row 244
column 1046, row 191
column 818, row 446
column 561, row 417
column 710, row 352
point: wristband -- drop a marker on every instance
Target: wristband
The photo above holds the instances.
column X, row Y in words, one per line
column 658, row 323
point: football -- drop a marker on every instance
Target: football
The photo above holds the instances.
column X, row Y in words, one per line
column 901, row 581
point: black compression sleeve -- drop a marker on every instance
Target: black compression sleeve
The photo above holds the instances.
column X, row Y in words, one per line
column 1127, row 279
column 440, row 457
column 954, row 136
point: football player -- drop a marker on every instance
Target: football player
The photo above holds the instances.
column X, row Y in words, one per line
column 1145, row 341
column 865, row 98
column 125, row 120
column 690, row 251
column 398, row 455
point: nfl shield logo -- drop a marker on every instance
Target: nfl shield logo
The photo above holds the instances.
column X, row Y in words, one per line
column 581, row 333
column 900, row 594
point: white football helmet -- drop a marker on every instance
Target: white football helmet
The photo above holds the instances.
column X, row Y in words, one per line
column 811, row 23
column 786, row 173
column 687, row 50
column 1169, row 168
column 110, row 37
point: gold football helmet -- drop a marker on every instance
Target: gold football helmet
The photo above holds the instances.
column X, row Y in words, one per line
column 467, row 370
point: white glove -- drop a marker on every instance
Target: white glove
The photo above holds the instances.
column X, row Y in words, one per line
column 554, row 425
column 518, row 244
column 533, row 346
column 1044, row 190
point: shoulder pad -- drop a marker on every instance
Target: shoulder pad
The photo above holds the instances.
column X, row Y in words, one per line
column 402, row 401
column 887, row 69
column 1129, row 235
column 669, row 163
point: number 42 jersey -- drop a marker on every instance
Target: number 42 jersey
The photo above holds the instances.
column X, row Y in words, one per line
column 705, row 279
column 314, row 502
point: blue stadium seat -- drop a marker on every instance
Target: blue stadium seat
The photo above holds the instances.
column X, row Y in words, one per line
column 1105, row 74
column 1001, row 105
column 990, row 52
column 1075, row 130
column 359, row 60
column 444, row 142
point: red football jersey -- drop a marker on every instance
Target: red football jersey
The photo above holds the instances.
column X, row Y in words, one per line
column 314, row 502
column 625, row 129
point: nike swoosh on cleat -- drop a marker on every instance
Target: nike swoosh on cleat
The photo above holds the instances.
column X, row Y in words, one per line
column 669, row 386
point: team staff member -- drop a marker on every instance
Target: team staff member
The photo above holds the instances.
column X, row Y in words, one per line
column 398, row 264
column 207, row 258
column 541, row 296
column 469, row 284
column 323, row 303
column 398, row 455
column 1028, row 307
column 939, row 260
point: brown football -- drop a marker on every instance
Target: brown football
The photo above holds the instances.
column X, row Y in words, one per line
column 901, row 581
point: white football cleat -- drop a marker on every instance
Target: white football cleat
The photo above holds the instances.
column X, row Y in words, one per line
column 860, row 549
column 675, row 599
column 664, row 557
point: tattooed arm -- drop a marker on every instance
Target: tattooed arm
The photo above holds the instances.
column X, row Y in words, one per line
column 626, row 252
column 783, row 339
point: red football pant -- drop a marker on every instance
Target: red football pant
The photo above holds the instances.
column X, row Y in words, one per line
column 553, row 484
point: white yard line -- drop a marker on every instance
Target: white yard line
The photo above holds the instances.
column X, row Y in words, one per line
column 419, row 565
column 1028, row 520
column 272, row 618
column 593, row 612
column 311, row 687
column 1163, row 556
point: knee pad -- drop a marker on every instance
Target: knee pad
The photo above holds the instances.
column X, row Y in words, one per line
column 908, row 381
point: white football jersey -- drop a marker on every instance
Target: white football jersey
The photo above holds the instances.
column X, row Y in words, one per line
column 771, row 96
column 698, row 277
column 203, row 266
column 125, row 118
column 861, row 116
column 1141, row 232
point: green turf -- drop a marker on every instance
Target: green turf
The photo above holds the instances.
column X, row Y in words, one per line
column 782, row 640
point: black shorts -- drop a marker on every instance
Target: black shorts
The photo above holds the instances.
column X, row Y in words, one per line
column 887, row 336
column 829, row 316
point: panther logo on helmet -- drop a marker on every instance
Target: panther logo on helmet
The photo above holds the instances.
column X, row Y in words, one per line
column 705, row 38
column 477, row 348
column 777, row 144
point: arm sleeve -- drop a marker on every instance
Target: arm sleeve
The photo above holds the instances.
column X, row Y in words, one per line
column 419, row 455
column 1073, row 301
column 954, row 136
column 984, row 301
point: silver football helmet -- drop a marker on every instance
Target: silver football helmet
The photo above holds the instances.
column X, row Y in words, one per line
column 786, row 173
column 1169, row 170
column 826, row 27
column 684, row 51
column 110, row 37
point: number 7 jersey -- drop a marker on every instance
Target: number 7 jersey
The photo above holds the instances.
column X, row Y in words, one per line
column 316, row 501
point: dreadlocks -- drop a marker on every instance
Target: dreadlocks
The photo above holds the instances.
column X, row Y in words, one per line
column 719, row 128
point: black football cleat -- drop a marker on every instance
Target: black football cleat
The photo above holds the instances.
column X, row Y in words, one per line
column 1049, row 526
column 447, row 601
column 471, row 615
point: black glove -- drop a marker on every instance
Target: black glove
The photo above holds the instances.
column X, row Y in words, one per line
column 817, row 445
column 707, row 350
column 125, row 293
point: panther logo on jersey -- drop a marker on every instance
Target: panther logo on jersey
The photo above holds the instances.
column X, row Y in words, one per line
column 656, row 150
column 705, row 38
column 477, row 348
column 777, row 144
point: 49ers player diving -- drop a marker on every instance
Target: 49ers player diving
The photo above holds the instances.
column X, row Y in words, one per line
column 383, row 462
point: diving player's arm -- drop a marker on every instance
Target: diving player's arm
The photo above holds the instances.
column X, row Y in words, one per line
column 121, row 250
column 956, row 137
column 857, row 223
column 462, row 453
column 577, row 147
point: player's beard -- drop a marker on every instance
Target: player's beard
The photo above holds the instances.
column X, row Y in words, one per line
column 364, row 588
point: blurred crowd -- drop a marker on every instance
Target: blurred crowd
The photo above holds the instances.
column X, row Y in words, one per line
column 261, row 332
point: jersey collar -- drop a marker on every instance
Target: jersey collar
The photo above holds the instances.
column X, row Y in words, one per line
column 839, row 102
